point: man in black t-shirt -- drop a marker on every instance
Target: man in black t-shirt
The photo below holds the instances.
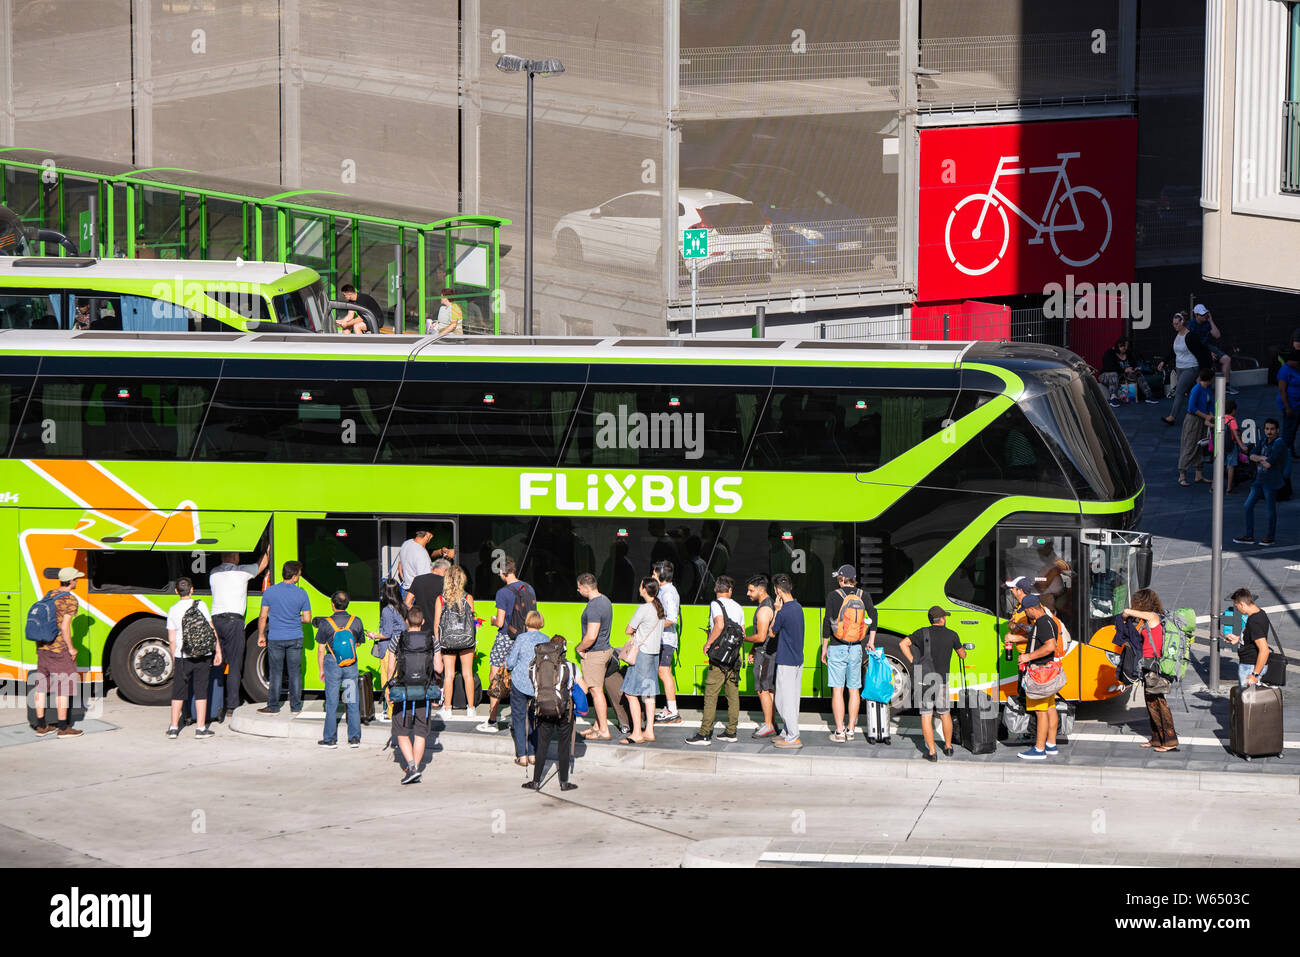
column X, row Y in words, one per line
column 1253, row 653
column 353, row 321
column 426, row 589
column 929, row 651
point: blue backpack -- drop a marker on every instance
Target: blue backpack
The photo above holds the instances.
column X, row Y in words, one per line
column 43, row 621
column 343, row 643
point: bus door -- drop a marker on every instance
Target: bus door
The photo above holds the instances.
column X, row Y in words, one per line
column 394, row 531
column 1049, row 559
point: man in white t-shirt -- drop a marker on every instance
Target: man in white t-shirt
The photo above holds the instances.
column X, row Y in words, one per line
column 191, row 671
column 672, row 602
column 413, row 559
column 229, row 584
column 716, row 679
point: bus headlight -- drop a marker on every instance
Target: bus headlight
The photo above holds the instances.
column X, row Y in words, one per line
column 1113, row 658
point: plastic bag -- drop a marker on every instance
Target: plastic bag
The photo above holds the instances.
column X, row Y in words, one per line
column 878, row 683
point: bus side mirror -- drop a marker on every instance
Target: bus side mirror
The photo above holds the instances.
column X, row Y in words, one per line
column 1143, row 567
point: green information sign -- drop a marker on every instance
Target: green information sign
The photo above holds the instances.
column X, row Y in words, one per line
column 85, row 240
column 695, row 243
column 394, row 293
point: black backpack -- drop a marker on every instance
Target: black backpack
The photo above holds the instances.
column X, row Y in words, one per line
column 414, row 660
column 725, row 652
column 456, row 627
column 552, row 681
column 198, row 640
column 525, row 602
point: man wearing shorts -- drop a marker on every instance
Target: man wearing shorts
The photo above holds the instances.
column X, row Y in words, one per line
column 764, row 656
column 56, row 661
column 929, row 651
column 1040, row 645
column 843, row 660
column 594, row 652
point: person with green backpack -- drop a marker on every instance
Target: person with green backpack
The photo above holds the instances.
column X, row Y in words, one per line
column 1159, row 635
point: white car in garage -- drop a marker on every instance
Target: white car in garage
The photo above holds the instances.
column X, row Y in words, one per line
column 626, row 231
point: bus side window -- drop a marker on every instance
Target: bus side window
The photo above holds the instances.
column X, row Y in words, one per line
column 28, row 309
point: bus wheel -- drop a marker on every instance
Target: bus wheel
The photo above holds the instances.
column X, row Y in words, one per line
column 256, row 684
column 141, row 662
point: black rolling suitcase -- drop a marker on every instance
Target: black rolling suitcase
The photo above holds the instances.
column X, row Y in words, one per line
column 366, row 696
column 976, row 718
column 458, row 692
column 1255, row 721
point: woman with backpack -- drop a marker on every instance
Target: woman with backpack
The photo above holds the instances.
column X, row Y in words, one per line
column 454, row 626
column 1147, row 615
column 642, row 654
column 392, row 622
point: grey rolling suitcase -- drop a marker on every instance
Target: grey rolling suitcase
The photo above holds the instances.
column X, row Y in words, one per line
column 1255, row 721
column 877, row 720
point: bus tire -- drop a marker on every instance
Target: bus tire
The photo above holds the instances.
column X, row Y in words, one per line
column 141, row 662
column 256, row 684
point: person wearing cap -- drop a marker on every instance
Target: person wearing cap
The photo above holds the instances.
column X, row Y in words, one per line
column 843, row 660
column 56, row 661
column 1202, row 326
column 1040, row 645
column 1288, row 397
column 1020, row 587
column 929, row 651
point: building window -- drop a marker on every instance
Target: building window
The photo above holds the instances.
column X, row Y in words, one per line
column 1291, row 106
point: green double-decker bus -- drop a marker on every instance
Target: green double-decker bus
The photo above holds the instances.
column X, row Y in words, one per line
column 937, row 470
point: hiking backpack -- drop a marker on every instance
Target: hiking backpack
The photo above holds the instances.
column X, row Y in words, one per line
column 456, row 626
column 414, row 660
column 198, row 639
column 552, row 681
column 851, row 624
column 1179, row 627
column 1129, row 669
column 43, row 620
column 343, row 643
column 725, row 653
column 525, row 602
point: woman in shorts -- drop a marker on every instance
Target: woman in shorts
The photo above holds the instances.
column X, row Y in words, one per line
column 641, row 683
column 456, row 648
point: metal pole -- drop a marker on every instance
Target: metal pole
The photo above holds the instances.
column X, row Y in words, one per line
column 528, row 214
column 760, row 320
column 1216, row 534
column 694, row 288
column 399, row 310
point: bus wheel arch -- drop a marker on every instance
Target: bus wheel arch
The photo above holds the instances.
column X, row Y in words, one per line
column 139, row 660
column 254, row 678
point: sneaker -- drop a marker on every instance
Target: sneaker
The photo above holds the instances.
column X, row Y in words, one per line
column 412, row 775
column 354, row 742
column 1114, row 402
column 670, row 717
column 1150, row 401
column 783, row 743
column 848, row 734
column 729, row 738
column 837, row 737
column 328, row 745
column 487, row 727
column 70, row 732
column 1231, row 391
column 469, row 713
column 1243, row 541
column 268, row 710
column 763, row 731
column 204, row 732
column 1052, row 749
column 44, row 729
column 700, row 740
column 1033, row 754
column 1265, row 542
column 445, row 714
column 173, row 733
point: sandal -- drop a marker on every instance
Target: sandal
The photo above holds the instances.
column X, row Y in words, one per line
column 522, row 762
column 1166, row 750
column 1202, row 478
column 1184, row 483
column 629, row 741
column 1147, row 744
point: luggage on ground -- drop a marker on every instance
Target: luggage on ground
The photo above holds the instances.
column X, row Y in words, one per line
column 877, row 719
column 1255, row 721
column 1014, row 718
column 976, row 718
column 366, row 696
column 458, row 692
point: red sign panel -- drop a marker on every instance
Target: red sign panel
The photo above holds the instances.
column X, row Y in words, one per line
column 1005, row 210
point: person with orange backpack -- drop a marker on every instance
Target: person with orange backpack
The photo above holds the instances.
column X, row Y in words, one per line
column 849, row 625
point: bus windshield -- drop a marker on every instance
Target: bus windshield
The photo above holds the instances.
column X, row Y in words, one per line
column 302, row 307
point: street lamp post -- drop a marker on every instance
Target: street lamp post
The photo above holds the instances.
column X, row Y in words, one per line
column 509, row 63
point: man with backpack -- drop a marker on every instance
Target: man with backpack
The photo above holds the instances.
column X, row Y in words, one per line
column 515, row 600
column 519, row 662
column 414, row 660
column 787, row 628
column 929, row 651
column 195, row 651
column 337, row 638
column 724, row 649
column 285, row 609
column 552, row 678
column 850, row 622
column 49, row 626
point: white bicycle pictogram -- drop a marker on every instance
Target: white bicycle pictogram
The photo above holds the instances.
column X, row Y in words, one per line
column 1046, row 224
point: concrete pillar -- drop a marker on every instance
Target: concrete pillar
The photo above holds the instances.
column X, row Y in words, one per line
column 141, row 84
column 1128, row 41
column 6, row 73
column 471, row 106
column 290, row 96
